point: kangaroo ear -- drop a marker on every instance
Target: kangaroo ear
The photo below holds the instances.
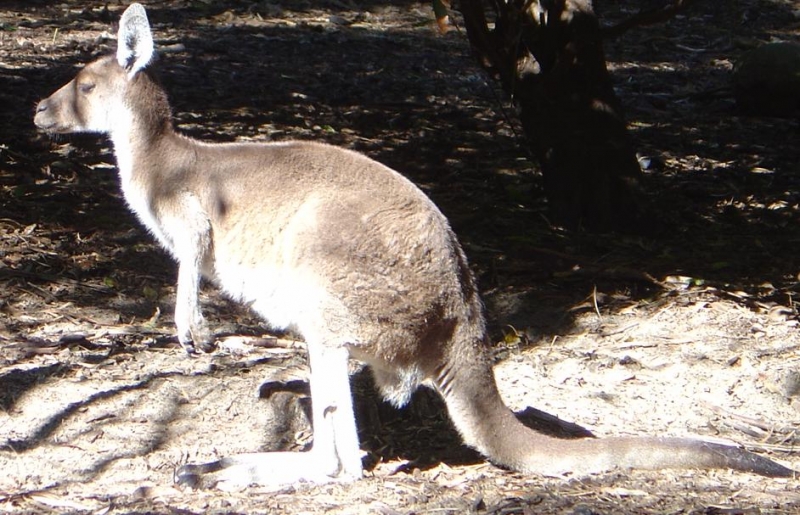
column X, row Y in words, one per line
column 134, row 40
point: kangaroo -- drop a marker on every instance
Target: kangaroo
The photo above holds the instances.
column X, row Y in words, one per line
column 344, row 251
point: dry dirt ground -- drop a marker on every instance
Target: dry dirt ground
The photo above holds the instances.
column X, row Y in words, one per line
column 692, row 332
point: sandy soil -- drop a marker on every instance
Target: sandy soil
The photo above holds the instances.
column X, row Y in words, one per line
column 694, row 332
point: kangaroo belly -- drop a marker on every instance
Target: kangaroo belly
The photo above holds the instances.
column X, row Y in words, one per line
column 284, row 297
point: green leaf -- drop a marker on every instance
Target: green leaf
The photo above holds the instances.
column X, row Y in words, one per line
column 150, row 293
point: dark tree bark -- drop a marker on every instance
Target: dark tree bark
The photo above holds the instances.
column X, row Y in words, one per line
column 548, row 55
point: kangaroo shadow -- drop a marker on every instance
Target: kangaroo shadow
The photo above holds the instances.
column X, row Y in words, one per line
column 17, row 382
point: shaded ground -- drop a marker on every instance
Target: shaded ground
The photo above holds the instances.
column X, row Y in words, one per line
column 692, row 333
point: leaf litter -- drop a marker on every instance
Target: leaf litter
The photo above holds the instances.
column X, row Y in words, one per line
column 692, row 333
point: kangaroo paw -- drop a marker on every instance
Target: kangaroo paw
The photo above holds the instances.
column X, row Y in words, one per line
column 272, row 469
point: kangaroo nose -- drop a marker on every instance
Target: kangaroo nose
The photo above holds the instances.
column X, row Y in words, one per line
column 41, row 107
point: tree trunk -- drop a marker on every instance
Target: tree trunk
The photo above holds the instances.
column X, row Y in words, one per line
column 548, row 55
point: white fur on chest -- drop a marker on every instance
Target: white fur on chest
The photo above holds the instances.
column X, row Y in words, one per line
column 135, row 195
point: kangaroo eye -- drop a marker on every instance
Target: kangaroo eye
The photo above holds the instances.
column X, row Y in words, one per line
column 86, row 87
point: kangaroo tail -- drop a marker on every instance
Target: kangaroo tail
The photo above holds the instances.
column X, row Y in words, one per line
column 486, row 424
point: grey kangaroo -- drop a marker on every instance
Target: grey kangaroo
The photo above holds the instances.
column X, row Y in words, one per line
column 346, row 252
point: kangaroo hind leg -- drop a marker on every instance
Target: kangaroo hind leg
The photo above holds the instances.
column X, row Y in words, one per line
column 334, row 456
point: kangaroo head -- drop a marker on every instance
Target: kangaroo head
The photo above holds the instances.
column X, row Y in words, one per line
column 99, row 98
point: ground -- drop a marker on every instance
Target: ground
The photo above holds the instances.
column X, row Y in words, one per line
column 692, row 331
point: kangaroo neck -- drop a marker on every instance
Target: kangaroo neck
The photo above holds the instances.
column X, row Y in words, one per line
column 142, row 126
column 137, row 142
